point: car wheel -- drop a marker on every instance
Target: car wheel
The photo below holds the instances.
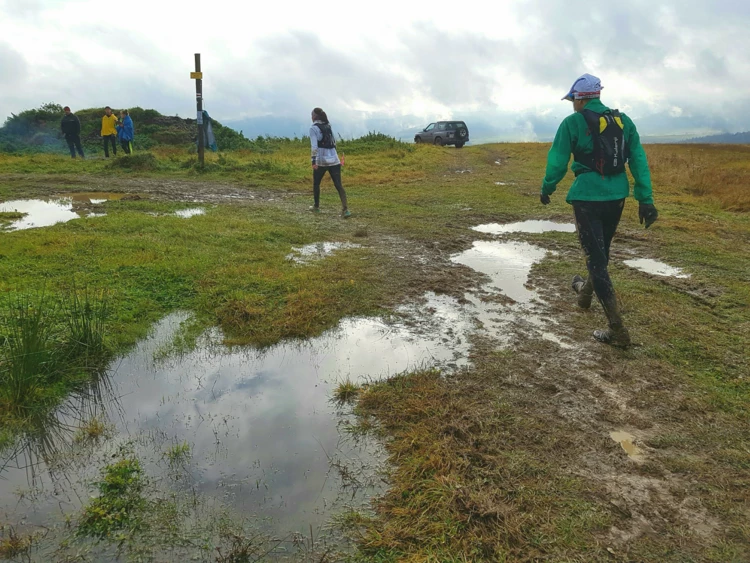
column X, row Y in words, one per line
column 438, row 141
column 417, row 139
column 463, row 133
column 459, row 145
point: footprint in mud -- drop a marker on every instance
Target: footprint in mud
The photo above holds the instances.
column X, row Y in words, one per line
column 627, row 442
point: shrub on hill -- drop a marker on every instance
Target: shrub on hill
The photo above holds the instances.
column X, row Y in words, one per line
column 38, row 130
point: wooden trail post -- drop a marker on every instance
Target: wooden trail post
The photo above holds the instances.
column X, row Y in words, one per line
column 198, row 77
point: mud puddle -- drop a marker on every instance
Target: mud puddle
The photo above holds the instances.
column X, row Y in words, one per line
column 191, row 212
column 627, row 442
column 505, row 307
column 317, row 251
column 263, row 434
column 532, row 226
column 48, row 212
column 656, row 268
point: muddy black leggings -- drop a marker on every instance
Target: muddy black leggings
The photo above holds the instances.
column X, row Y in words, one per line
column 335, row 172
column 597, row 222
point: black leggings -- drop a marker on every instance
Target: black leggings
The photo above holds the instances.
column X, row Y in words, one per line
column 335, row 172
column 110, row 139
column 125, row 146
column 597, row 222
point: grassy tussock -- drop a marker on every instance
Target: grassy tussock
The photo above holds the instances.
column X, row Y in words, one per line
column 178, row 453
column 346, row 391
column 92, row 431
column 120, row 504
column 14, row 546
column 142, row 161
column 47, row 348
column 469, row 482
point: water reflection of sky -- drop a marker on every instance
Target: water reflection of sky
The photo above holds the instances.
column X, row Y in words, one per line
column 40, row 213
column 508, row 265
column 260, row 423
column 656, row 267
column 530, row 226
column 48, row 212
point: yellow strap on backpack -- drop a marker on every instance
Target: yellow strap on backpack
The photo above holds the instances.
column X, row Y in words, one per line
column 603, row 124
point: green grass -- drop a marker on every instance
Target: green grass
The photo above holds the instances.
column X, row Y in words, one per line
column 49, row 347
column 482, row 471
column 91, row 431
column 346, row 391
column 9, row 217
column 178, row 453
column 120, row 504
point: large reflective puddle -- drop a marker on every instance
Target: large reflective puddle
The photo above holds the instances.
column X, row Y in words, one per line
column 263, row 434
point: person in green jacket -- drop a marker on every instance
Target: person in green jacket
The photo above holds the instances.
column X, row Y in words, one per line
column 601, row 141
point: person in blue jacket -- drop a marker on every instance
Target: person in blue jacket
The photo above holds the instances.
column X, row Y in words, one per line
column 125, row 131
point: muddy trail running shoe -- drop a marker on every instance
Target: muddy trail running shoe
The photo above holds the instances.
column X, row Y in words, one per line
column 614, row 336
column 346, row 214
column 314, row 209
column 585, row 291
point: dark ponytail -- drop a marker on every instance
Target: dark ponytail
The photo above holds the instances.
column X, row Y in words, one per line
column 320, row 114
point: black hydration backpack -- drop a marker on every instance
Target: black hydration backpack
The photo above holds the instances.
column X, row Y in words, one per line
column 328, row 141
column 610, row 153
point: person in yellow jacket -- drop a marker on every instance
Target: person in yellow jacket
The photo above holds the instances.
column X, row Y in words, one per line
column 109, row 131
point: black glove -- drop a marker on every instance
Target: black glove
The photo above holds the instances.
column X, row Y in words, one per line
column 544, row 198
column 648, row 213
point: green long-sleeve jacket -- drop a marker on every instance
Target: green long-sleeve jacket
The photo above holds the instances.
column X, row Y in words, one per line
column 573, row 136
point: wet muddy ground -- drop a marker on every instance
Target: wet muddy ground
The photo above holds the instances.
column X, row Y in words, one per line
column 264, row 435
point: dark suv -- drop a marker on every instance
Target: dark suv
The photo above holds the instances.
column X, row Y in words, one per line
column 444, row 133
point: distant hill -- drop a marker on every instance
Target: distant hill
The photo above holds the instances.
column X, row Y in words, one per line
column 38, row 130
column 728, row 138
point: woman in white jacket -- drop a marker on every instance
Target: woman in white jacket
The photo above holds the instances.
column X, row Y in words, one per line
column 325, row 159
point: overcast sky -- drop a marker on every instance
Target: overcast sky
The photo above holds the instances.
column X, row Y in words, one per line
column 675, row 66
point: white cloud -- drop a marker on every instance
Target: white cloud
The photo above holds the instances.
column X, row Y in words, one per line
column 396, row 63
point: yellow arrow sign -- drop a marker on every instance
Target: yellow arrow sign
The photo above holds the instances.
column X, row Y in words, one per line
column 196, row 75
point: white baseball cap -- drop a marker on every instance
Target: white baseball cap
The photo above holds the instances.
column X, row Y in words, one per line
column 585, row 87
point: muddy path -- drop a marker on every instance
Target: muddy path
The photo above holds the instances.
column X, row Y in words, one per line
column 159, row 189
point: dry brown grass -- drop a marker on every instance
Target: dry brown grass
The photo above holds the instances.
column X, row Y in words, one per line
column 717, row 172
column 473, row 480
column 13, row 546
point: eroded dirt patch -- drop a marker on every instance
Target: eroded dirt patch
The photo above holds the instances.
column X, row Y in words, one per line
column 160, row 189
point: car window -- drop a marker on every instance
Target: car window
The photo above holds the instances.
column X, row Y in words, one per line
column 450, row 126
column 430, row 127
column 441, row 126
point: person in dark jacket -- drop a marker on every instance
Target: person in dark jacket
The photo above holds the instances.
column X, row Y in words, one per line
column 125, row 131
column 71, row 129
